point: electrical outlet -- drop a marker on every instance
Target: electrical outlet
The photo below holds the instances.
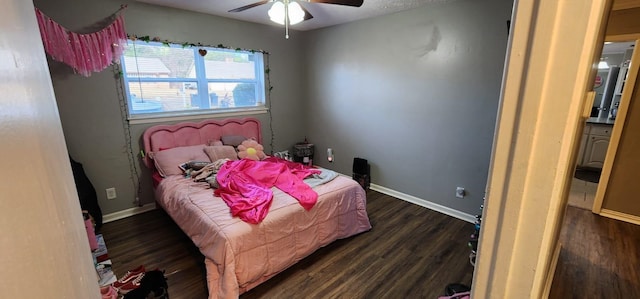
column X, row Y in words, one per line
column 111, row 193
column 460, row 193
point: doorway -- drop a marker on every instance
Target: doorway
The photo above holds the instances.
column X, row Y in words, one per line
column 597, row 249
column 608, row 86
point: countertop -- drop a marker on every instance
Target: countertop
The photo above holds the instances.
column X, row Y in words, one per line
column 600, row 120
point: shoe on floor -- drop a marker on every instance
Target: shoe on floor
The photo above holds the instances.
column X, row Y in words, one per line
column 130, row 275
column 132, row 284
column 152, row 286
column 126, row 282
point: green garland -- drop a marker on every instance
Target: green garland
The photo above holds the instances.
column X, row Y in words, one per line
column 165, row 42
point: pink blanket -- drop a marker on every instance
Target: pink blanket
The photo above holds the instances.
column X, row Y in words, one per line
column 245, row 185
column 240, row 255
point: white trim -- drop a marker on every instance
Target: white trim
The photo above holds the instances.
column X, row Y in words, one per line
column 620, row 216
column 421, row 202
column 399, row 195
column 157, row 118
column 128, row 212
column 425, row 203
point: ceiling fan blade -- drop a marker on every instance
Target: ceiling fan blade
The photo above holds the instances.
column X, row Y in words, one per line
column 307, row 14
column 252, row 5
column 356, row 3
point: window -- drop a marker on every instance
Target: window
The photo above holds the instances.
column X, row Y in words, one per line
column 163, row 80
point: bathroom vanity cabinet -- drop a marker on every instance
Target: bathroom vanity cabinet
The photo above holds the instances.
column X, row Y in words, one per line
column 594, row 145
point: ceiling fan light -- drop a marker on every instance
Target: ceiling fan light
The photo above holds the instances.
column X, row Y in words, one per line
column 296, row 14
column 276, row 12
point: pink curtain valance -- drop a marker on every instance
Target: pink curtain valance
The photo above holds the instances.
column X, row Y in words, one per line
column 85, row 53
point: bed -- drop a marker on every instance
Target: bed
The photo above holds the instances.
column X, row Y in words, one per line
column 240, row 255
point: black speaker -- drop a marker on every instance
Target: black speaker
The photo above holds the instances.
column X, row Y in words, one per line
column 360, row 166
column 362, row 172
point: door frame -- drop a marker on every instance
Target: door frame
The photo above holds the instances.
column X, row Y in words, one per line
column 616, row 133
column 551, row 65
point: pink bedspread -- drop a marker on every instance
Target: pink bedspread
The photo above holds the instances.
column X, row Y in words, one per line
column 239, row 255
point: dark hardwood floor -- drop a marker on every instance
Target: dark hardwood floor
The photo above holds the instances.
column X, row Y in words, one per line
column 411, row 252
column 152, row 239
column 600, row 258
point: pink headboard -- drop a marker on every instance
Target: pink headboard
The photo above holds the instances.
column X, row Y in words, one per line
column 193, row 133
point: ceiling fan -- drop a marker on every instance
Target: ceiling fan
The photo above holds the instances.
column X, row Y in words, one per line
column 290, row 12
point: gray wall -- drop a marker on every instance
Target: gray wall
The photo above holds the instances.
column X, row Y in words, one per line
column 416, row 93
column 90, row 109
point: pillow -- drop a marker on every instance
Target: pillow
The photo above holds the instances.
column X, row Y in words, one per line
column 221, row 152
column 168, row 161
column 215, row 142
column 233, row 140
column 251, row 149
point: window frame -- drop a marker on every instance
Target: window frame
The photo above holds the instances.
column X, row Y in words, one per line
column 202, row 86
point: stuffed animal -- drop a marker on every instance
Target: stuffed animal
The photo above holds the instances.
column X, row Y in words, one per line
column 251, row 149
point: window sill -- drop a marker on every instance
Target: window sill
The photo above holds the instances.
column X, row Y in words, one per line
column 148, row 119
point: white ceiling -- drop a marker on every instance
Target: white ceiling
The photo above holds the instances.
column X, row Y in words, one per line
column 324, row 15
column 617, row 47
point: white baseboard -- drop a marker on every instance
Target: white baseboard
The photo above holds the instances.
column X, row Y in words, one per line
column 406, row 197
column 425, row 203
column 128, row 212
column 620, row 216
